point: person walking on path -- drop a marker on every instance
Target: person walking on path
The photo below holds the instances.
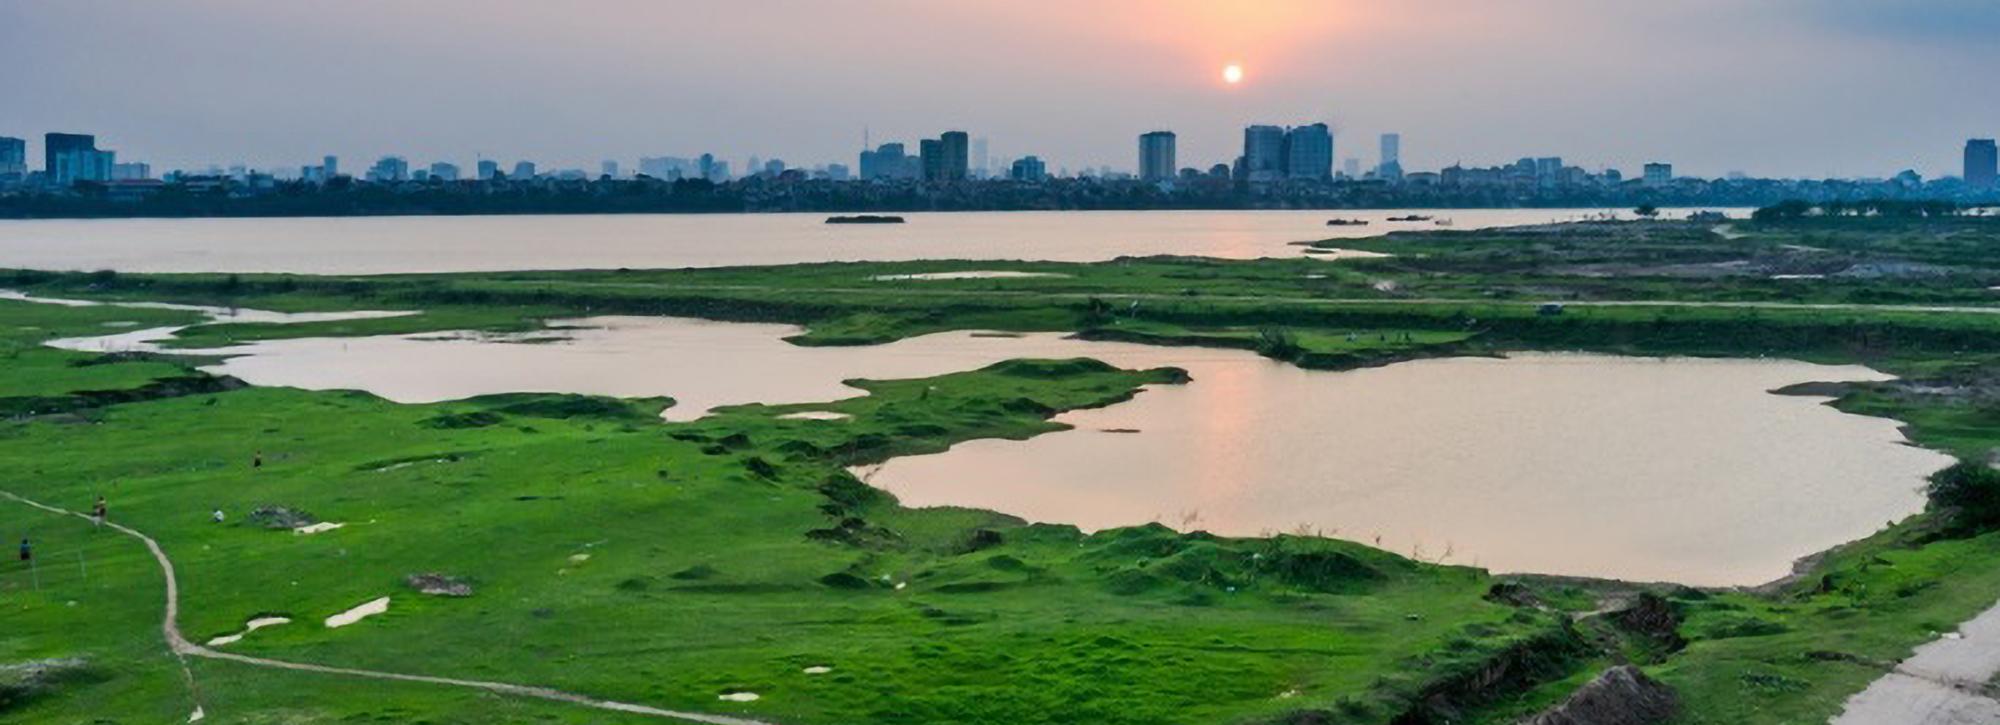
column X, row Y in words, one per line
column 99, row 511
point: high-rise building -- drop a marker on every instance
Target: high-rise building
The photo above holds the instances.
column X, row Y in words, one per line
column 1657, row 174
column 1156, row 156
column 389, row 169
column 609, row 168
column 1350, row 167
column 1028, row 168
column 487, row 169
column 945, row 158
column 55, row 145
column 72, row 157
column 523, row 170
column 979, row 161
column 13, row 156
column 1309, row 152
column 330, row 166
column 1391, row 166
column 1263, row 153
column 1982, row 163
column 442, row 171
column 131, row 172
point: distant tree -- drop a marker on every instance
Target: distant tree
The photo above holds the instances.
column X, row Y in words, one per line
column 1969, row 493
column 1278, row 343
column 1647, row 211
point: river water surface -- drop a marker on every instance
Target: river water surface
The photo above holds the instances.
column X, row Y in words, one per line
column 389, row 245
column 1676, row 469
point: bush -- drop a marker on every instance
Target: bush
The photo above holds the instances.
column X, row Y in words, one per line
column 1969, row 494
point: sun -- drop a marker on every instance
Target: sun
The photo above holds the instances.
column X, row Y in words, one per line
column 1232, row 74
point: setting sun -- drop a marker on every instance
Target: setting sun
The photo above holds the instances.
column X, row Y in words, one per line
column 1232, row 74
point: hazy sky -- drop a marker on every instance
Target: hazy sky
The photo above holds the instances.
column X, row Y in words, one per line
column 1770, row 87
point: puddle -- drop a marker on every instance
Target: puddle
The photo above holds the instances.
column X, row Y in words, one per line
column 815, row 415
column 149, row 339
column 251, row 626
column 367, row 609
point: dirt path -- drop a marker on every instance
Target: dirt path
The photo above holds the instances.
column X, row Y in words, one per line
column 1946, row 682
column 183, row 649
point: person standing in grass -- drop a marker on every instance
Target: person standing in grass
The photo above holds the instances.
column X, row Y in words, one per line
column 99, row 512
column 257, row 460
column 27, row 551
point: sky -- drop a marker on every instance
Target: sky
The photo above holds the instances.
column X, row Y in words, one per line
column 1782, row 88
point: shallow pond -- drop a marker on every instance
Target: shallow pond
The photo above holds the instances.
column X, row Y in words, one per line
column 1674, row 469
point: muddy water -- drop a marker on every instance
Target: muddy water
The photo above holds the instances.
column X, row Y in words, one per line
column 1651, row 469
column 387, row 245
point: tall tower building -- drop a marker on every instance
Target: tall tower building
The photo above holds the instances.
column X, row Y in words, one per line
column 1392, row 157
column 945, row 158
column 1309, row 152
column 1263, row 153
column 13, row 156
column 1981, row 160
column 72, row 157
column 1156, row 156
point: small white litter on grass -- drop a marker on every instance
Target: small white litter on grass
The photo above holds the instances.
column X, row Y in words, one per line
column 321, row 527
column 579, row 558
column 818, row 670
column 815, row 415
column 196, row 715
column 368, row 609
column 251, row 626
column 975, row 274
column 738, row 697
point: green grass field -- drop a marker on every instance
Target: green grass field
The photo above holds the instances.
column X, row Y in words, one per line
column 622, row 557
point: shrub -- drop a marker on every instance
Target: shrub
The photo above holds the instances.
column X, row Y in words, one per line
column 1969, row 494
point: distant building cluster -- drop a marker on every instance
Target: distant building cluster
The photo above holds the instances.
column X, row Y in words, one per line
column 1278, row 167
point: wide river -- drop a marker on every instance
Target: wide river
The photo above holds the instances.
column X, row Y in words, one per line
column 388, row 245
column 1673, row 469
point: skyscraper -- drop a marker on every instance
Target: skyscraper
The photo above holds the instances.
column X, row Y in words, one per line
column 72, row 157
column 1309, row 152
column 330, row 166
column 442, row 171
column 945, row 157
column 13, row 156
column 1392, row 157
column 979, row 160
column 1263, row 153
column 610, row 168
column 523, row 170
column 488, row 169
column 1156, row 156
column 54, row 145
column 1981, row 160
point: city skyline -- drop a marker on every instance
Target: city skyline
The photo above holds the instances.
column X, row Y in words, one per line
column 580, row 84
